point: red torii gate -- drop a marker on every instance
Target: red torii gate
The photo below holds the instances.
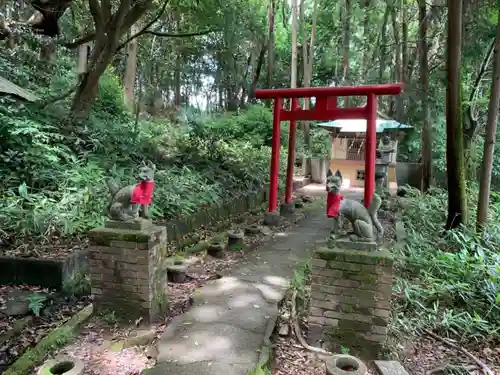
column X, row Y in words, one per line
column 325, row 109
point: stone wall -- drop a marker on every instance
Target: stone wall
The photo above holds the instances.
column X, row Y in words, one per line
column 176, row 228
column 350, row 298
column 47, row 273
column 128, row 274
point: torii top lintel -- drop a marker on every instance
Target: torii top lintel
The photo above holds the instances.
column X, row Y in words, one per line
column 326, row 100
column 317, row 92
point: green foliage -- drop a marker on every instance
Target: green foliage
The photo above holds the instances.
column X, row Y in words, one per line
column 344, row 349
column 109, row 317
column 450, row 282
column 36, row 303
column 77, row 285
column 301, row 276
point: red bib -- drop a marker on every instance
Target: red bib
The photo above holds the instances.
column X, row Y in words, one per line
column 143, row 192
column 333, row 204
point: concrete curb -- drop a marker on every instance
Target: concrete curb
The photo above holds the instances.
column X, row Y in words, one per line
column 54, row 339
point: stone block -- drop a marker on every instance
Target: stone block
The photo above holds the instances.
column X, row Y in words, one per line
column 320, row 263
column 327, row 272
column 315, row 311
column 272, row 219
column 316, row 295
column 346, row 243
column 326, row 305
column 379, row 330
column 382, row 313
column 345, row 266
column 287, row 209
column 390, row 368
column 139, row 224
column 400, row 231
column 330, row 290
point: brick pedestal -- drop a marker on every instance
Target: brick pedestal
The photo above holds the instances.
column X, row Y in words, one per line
column 128, row 274
column 350, row 298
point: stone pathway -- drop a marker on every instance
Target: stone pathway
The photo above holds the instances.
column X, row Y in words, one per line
column 232, row 318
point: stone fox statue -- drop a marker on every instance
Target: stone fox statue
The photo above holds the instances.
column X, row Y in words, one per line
column 363, row 220
column 127, row 203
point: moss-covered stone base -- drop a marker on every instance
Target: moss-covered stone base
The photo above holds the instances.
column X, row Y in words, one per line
column 129, row 271
column 350, row 298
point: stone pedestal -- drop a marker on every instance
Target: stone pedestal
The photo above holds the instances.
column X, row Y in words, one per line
column 128, row 271
column 287, row 209
column 350, row 298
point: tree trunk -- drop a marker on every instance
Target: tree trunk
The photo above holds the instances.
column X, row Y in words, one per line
column 308, row 57
column 48, row 52
column 258, row 69
column 424, row 82
column 404, row 55
column 489, row 141
column 346, row 45
column 457, row 201
column 383, row 51
column 471, row 126
column 366, row 35
column 270, row 44
column 108, row 30
column 130, row 71
column 398, row 66
column 293, row 73
column 82, row 56
column 244, row 85
column 87, row 92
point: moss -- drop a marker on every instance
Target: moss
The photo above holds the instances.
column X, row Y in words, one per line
column 160, row 301
column 236, row 247
column 198, row 248
column 104, row 236
column 381, row 257
column 55, row 339
column 326, row 253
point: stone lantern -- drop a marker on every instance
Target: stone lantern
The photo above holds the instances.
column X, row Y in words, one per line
column 384, row 159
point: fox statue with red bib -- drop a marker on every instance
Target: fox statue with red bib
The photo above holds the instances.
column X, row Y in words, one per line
column 365, row 224
column 130, row 202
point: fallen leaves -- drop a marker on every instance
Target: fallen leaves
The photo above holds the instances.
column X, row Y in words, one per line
column 32, row 328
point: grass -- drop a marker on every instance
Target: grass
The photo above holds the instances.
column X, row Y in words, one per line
column 55, row 339
column 260, row 370
column 447, row 282
column 109, row 317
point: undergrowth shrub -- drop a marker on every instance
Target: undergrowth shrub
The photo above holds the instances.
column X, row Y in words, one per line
column 449, row 282
column 54, row 170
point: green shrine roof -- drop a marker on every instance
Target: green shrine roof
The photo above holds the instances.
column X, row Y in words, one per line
column 359, row 126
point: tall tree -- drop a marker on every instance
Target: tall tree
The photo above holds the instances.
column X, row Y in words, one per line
column 130, row 70
column 293, row 73
column 457, row 200
column 424, row 97
column 489, row 141
column 109, row 26
column 346, row 44
column 308, row 60
column 270, row 43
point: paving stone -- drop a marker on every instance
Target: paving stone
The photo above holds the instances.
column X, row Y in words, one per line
column 201, row 368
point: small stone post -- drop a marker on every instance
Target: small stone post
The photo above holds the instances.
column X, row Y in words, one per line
column 350, row 298
column 128, row 271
